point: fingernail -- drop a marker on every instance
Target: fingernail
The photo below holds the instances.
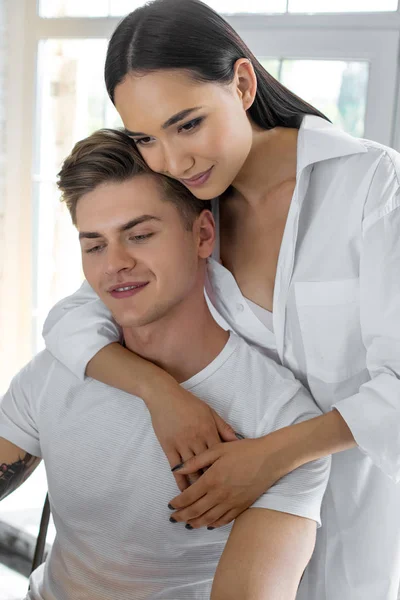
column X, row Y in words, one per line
column 188, row 526
column 171, row 507
column 177, row 467
column 210, row 528
column 172, row 520
column 239, row 436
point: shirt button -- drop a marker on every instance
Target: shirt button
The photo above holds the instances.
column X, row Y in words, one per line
column 240, row 307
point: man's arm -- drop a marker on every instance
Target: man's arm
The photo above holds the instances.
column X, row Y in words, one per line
column 265, row 556
column 15, row 467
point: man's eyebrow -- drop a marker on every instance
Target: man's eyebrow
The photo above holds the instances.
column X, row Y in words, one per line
column 171, row 121
column 124, row 227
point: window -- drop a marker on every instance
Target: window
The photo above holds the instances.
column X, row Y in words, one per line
column 72, row 103
column 109, row 8
column 105, row 8
column 341, row 6
column 336, row 88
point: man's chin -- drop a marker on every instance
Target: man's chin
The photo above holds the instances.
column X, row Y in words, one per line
column 128, row 321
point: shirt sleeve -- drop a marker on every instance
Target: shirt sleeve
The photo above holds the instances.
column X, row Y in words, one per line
column 300, row 492
column 373, row 414
column 78, row 327
column 18, row 422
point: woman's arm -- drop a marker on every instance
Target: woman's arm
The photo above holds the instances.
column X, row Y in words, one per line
column 77, row 328
column 265, row 556
column 81, row 333
column 373, row 414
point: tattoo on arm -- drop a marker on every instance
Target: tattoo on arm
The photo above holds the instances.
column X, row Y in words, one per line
column 14, row 474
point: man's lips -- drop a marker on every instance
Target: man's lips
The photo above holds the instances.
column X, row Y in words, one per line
column 197, row 179
column 126, row 289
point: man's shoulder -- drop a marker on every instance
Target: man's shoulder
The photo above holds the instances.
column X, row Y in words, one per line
column 255, row 359
column 42, row 371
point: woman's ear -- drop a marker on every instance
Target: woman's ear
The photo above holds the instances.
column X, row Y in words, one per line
column 245, row 82
column 205, row 229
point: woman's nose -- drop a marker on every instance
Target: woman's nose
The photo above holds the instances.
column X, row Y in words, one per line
column 178, row 163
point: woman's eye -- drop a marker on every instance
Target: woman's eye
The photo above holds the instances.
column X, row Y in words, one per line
column 191, row 124
column 143, row 141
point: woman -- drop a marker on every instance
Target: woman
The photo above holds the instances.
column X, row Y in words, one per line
column 309, row 223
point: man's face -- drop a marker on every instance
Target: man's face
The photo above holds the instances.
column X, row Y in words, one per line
column 136, row 253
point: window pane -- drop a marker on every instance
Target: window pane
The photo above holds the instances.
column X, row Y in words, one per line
column 103, row 8
column 120, row 8
column 248, row 6
column 272, row 65
column 336, row 6
column 338, row 89
column 73, row 8
column 72, row 104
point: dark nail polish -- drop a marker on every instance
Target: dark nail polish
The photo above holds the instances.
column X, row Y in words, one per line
column 172, row 520
column 210, row 528
column 239, row 436
column 171, row 507
column 188, row 526
column 177, row 467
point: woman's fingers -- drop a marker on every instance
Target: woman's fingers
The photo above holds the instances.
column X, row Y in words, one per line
column 196, row 463
column 187, row 455
column 197, row 449
column 209, row 518
column 227, row 518
column 195, row 511
column 225, row 431
column 191, row 495
column 200, row 515
column 174, row 458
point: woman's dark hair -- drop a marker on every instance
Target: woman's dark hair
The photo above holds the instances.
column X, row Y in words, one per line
column 188, row 34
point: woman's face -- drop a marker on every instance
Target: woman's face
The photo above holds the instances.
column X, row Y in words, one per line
column 197, row 133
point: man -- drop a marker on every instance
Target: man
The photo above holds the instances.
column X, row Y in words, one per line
column 145, row 242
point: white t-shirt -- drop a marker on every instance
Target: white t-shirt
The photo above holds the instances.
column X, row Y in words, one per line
column 110, row 482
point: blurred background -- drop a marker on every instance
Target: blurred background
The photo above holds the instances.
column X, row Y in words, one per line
column 340, row 55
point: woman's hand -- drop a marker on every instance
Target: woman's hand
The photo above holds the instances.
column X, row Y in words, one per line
column 237, row 474
column 185, row 427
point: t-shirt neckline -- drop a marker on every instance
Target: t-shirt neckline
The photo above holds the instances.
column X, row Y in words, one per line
column 214, row 365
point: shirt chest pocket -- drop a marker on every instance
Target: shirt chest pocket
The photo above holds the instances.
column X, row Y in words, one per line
column 329, row 318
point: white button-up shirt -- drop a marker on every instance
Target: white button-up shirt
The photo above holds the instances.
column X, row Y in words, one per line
column 336, row 321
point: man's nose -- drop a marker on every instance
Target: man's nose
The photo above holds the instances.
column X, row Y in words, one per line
column 118, row 259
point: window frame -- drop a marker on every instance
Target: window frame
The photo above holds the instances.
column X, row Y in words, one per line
column 353, row 36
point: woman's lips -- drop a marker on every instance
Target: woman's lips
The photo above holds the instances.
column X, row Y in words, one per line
column 198, row 180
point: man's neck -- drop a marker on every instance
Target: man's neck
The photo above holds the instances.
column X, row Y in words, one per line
column 183, row 343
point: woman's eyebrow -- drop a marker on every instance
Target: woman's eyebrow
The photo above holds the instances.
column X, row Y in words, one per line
column 179, row 117
column 171, row 121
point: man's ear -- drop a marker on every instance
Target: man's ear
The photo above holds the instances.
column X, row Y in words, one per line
column 205, row 230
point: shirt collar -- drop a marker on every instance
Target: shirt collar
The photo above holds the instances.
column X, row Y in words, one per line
column 319, row 140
